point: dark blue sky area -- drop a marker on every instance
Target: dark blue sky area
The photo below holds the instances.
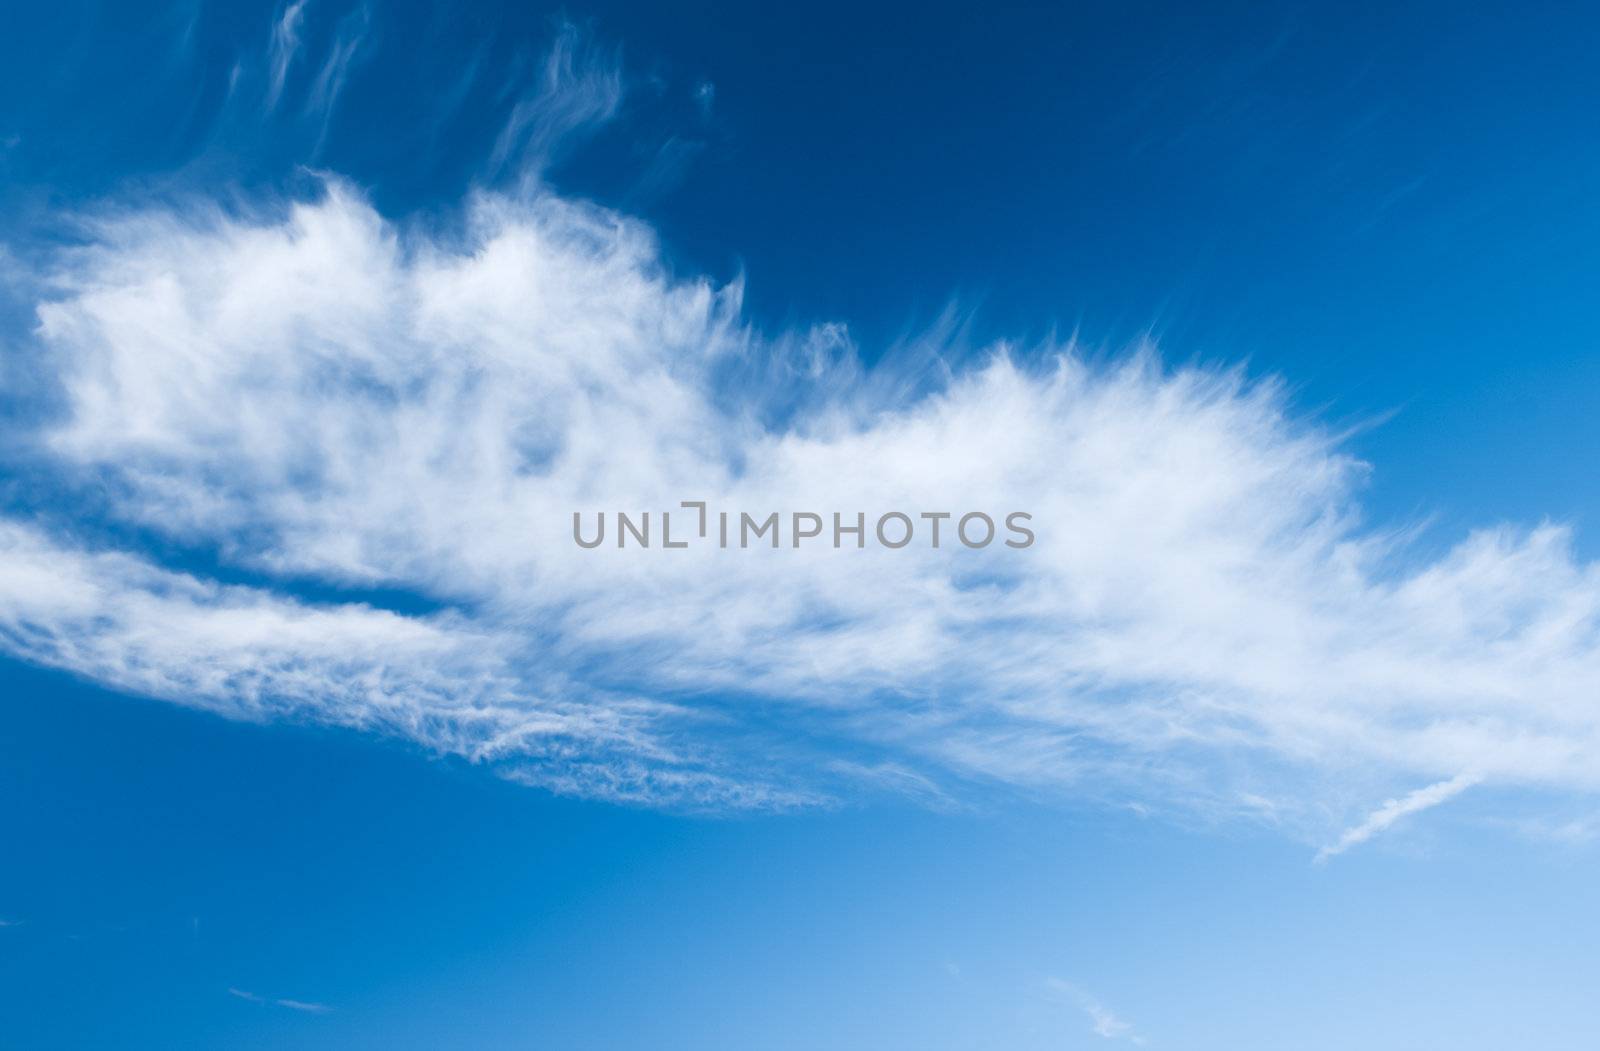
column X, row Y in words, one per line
column 1390, row 207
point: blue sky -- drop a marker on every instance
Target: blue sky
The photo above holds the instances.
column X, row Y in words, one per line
column 319, row 319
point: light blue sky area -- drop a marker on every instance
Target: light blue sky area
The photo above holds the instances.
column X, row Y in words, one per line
column 161, row 858
column 1391, row 211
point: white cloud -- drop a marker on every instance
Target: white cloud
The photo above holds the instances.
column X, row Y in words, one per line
column 1101, row 1020
column 303, row 1006
column 445, row 681
column 282, row 48
column 1395, row 809
column 330, row 80
column 315, row 394
column 577, row 88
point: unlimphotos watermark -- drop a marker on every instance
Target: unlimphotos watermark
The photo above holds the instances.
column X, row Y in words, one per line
column 740, row 529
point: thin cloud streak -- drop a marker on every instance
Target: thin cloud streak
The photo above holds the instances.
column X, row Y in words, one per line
column 577, row 89
column 1102, row 1021
column 303, row 1006
column 282, row 49
column 1394, row 810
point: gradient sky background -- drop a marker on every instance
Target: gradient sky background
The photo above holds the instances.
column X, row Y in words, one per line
column 1392, row 209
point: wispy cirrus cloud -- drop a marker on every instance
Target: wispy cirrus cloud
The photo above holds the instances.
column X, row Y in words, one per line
column 330, row 79
column 282, row 48
column 1102, row 1021
column 312, row 398
column 303, row 1006
column 577, row 87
